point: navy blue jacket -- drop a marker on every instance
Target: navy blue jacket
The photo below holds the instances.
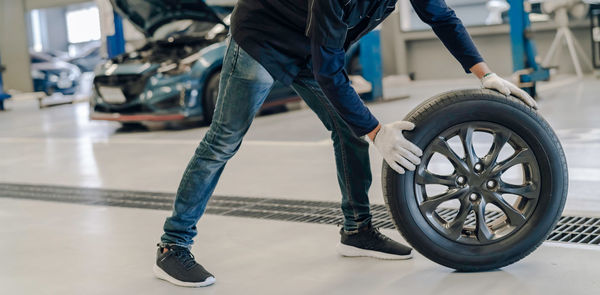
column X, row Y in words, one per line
column 285, row 35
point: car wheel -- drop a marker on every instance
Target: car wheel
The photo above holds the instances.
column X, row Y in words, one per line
column 49, row 91
column 132, row 126
column 491, row 185
column 211, row 92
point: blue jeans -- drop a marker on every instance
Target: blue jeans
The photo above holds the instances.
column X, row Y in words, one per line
column 243, row 88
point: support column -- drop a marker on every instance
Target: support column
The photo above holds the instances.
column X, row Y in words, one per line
column 393, row 46
column 14, row 46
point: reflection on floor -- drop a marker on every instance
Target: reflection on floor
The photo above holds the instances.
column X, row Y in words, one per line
column 58, row 248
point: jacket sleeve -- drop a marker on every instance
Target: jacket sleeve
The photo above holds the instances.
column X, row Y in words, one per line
column 325, row 25
column 328, row 69
column 449, row 30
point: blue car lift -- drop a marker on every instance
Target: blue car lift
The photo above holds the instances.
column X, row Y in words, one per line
column 115, row 44
column 3, row 96
column 523, row 48
column 372, row 64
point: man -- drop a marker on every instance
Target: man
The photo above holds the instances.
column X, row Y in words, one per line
column 301, row 43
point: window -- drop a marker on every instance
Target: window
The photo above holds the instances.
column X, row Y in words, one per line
column 83, row 25
column 36, row 31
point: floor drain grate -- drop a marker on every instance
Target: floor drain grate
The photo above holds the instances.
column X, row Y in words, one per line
column 570, row 229
column 577, row 229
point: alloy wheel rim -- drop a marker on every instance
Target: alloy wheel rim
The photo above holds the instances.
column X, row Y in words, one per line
column 477, row 182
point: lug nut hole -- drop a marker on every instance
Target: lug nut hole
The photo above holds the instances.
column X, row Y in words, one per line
column 491, row 184
column 461, row 180
column 478, row 167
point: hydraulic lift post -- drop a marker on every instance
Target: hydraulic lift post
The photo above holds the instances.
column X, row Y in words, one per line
column 3, row 96
column 595, row 29
column 372, row 65
column 524, row 51
column 115, row 44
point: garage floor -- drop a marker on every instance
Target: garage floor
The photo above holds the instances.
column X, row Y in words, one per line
column 60, row 248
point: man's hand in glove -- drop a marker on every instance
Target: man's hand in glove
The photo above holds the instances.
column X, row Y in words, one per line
column 397, row 151
column 493, row 81
column 489, row 80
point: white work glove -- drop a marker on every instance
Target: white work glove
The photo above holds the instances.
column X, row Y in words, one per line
column 397, row 151
column 492, row 81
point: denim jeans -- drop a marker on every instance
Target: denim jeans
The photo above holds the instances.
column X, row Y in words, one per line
column 243, row 88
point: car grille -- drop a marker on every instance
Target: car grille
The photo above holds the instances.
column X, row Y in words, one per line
column 171, row 102
column 131, row 85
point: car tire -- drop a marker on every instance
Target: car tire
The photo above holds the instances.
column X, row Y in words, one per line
column 211, row 92
column 132, row 126
column 49, row 91
column 445, row 235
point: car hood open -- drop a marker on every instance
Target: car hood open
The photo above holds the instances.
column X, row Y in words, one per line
column 149, row 15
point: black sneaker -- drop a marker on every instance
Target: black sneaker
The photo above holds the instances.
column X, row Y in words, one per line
column 178, row 267
column 369, row 242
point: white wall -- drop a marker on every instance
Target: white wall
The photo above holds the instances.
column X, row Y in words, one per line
column 422, row 54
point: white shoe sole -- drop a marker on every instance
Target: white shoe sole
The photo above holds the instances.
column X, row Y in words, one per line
column 350, row 251
column 161, row 274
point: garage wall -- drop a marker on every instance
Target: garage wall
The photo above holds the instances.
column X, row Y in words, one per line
column 55, row 26
column 421, row 54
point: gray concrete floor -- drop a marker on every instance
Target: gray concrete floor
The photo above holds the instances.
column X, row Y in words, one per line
column 76, row 249
column 53, row 248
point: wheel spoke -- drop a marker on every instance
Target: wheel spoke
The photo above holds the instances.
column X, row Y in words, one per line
column 455, row 227
column 483, row 231
column 500, row 139
column 466, row 137
column 432, row 203
column 425, row 176
column 477, row 181
column 522, row 156
column 441, row 146
column 514, row 216
column 527, row 190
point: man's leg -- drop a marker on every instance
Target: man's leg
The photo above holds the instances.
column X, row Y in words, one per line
column 243, row 88
column 351, row 154
column 358, row 237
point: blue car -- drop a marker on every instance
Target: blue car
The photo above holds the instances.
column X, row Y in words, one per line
column 175, row 75
column 52, row 75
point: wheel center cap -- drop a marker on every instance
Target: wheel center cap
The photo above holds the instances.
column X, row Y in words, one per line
column 477, row 181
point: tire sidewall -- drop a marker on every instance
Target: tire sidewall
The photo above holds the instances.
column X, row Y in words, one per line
column 209, row 100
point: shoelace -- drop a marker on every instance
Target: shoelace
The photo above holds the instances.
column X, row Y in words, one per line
column 185, row 257
column 378, row 235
